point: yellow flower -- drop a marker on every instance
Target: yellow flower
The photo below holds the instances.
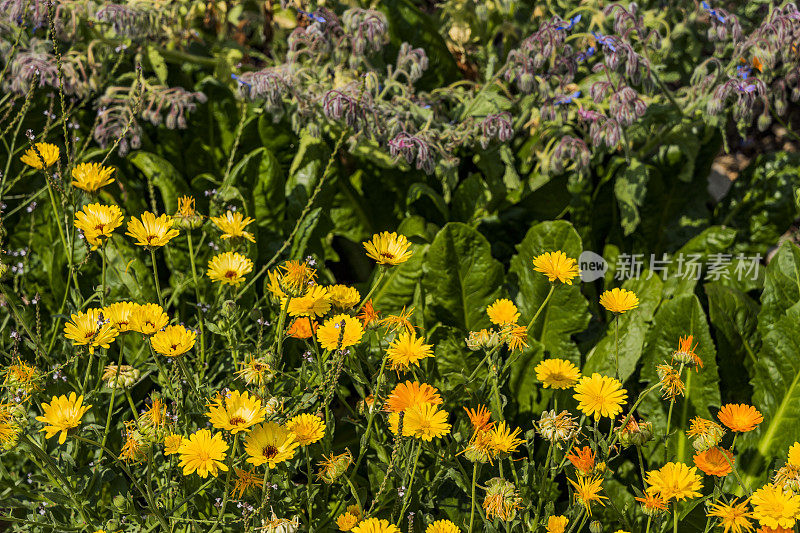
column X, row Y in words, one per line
column 587, row 490
column 45, row 158
column 375, row 525
column 87, row 328
column 619, row 300
column 407, row 350
column 269, row 443
column 733, row 517
column 62, row 414
column 232, row 225
column 774, row 507
column 503, row 312
column 600, row 396
column 794, row 454
column 516, row 337
column 347, row 520
column 315, row 302
column 135, row 447
column 98, row 222
column 245, row 480
column 172, row 443
column 557, row 524
column 307, row 429
column 705, row 433
column 155, row 416
column 333, row 466
column 173, row 341
column 502, row 499
column 229, row 268
column 343, row 297
column 331, row 336
column 388, row 248
column 255, row 371
column 556, row 266
column 442, row 526
column 674, row 480
column 120, row 315
column 295, row 276
column 148, row 318
column 557, row 373
column 740, row 417
column 505, row 440
column 236, row 412
column 425, row 421
column 672, row 385
column 151, row 231
column 204, row 453
column 91, row 176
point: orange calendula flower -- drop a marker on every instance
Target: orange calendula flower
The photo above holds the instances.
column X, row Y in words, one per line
column 740, row 417
column 713, row 462
column 706, row 433
column 409, row 394
column 582, row 459
column 301, row 328
column 400, row 320
column 368, row 314
column 652, row 504
column 686, row 353
column 672, row 385
column 556, row 266
column 733, row 517
column 480, row 418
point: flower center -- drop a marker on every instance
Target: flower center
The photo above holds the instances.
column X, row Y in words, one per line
column 236, row 421
column 269, row 451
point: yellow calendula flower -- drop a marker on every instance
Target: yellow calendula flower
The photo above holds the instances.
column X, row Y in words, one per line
column 62, row 414
column 87, row 328
column 557, row 524
column 135, row 448
column 173, row 341
column 343, row 297
column 672, row 385
column 794, row 454
column 120, row 315
column 245, row 480
column 557, row 373
column 406, row 350
column 502, row 499
column 229, row 268
column 346, row 521
column 45, row 155
column 442, row 526
column 172, row 443
column 21, row 376
column 255, row 371
column 307, row 428
column 315, row 302
column 98, row 222
column 232, row 225
column 186, row 216
column 619, row 300
column 705, row 433
column 204, row 453
column 148, row 318
column 504, row 439
column 236, row 411
column 332, row 336
column 733, row 517
column 296, row 276
column 425, row 421
column 775, row 507
column 556, row 266
column 503, row 312
column 600, row 396
column 375, row 525
column 91, row 176
column 587, row 490
column 410, row 393
column 151, row 231
column 388, row 248
column 269, row 443
column 674, row 481
column 740, row 417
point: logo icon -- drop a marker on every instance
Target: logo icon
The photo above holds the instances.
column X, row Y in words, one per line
column 592, row 266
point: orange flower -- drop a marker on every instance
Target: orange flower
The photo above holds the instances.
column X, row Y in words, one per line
column 713, row 463
column 583, row 460
column 686, row 353
column 368, row 315
column 740, row 417
column 301, row 327
column 652, row 504
column 479, row 418
column 409, row 394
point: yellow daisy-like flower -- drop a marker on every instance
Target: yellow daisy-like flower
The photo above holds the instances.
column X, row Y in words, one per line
column 740, row 417
column 619, row 300
column 245, row 480
column 232, row 225
column 48, row 152
column 516, row 337
column 236, row 412
column 91, row 176
column 425, row 421
column 794, row 454
column 148, row 318
column 204, row 453
column 556, row 266
column 774, row 507
column 406, row 350
column 87, row 328
column 343, row 297
column 98, row 222
column 504, row 439
column 732, row 516
column 557, row 524
column 375, row 525
column 315, row 302
column 600, row 396
column 62, row 414
column 557, row 373
column 346, row 521
column 331, row 336
column 269, row 443
column 229, row 268
column 388, row 248
column 151, row 231
column 503, row 312
column 410, row 393
column 587, row 490
column 173, row 341
column 442, row 526
column 120, row 315
column 172, row 443
column 674, row 480
column 307, row 428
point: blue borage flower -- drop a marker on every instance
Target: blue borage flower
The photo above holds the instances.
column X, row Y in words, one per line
column 713, row 12
column 574, row 20
column 605, row 40
column 566, row 99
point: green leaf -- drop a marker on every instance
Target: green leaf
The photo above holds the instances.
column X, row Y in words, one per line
column 157, row 63
column 630, row 189
column 163, row 175
column 567, row 311
column 461, row 278
column 781, row 286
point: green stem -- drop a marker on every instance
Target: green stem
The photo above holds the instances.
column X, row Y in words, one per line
column 190, row 378
column 472, row 496
column 544, row 302
column 227, row 483
column 113, row 396
column 616, row 345
column 370, row 419
column 309, row 500
column 675, row 517
column 407, row 495
column 381, row 272
column 155, row 277
column 197, row 298
column 280, row 333
column 89, row 366
column 736, row 473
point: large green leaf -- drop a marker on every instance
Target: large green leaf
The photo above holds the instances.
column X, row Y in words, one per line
column 630, row 189
column 461, row 278
column 781, row 286
column 163, row 175
column 567, row 311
